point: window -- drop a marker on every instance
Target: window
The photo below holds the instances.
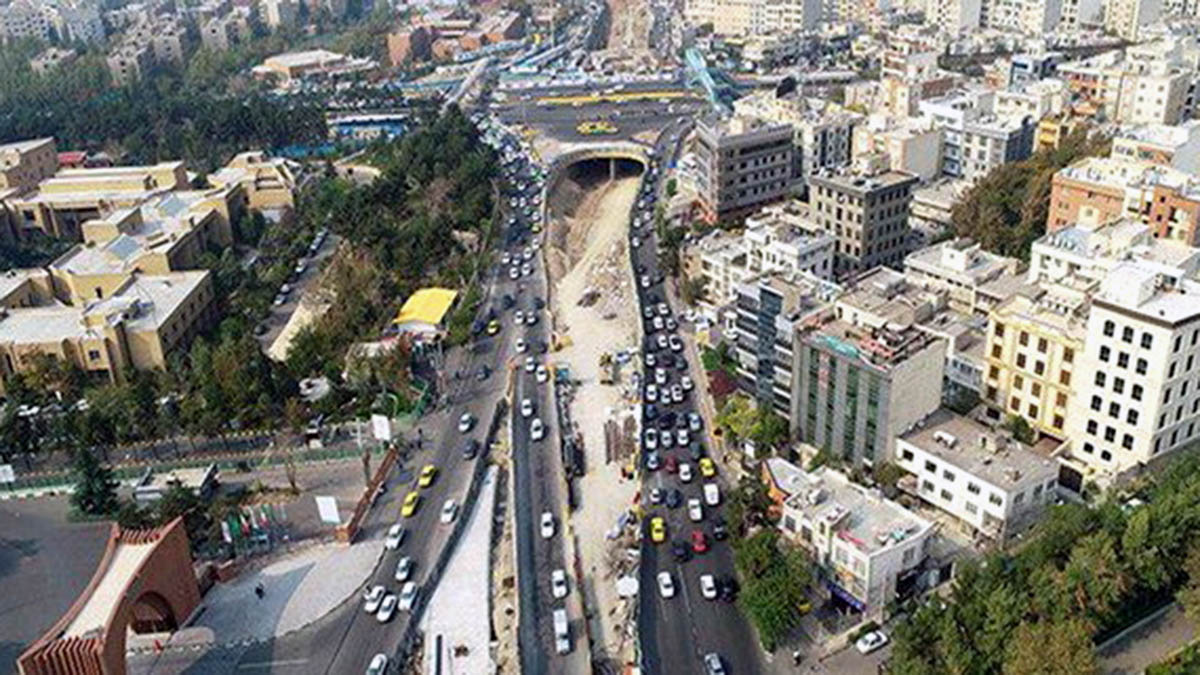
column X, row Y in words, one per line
column 1089, row 448
column 1060, row 400
column 1018, row 382
column 1068, row 355
column 1110, row 434
column 907, row 455
column 948, row 475
column 1096, row 403
column 999, row 330
column 1058, row 421
column 1064, row 378
column 1035, row 389
column 1109, row 328
column 930, row 467
column 1101, row 378
column 973, row 488
column 1147, row 340
column 1042, row 344
column 1105, row 353
column 1014, row 403
column 995, row 499
column 1141, row 366
column 1114, row 410
column 93, row 355
column 947, row 496
column 1127, row 442
column 1136, row 392
column 1033, row 411
column 926, row 486
column 1020, row 360
column 994, row 373
column 1039, row 368
column 1127, row 334
column 996, row 351
column 1119, row 385
column 1122, row 360
column 1019, row 498
column 1131, row 416
column 1024, row 340
column 971, row 508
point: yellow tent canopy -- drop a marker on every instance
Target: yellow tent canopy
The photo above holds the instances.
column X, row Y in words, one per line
column 428, row 305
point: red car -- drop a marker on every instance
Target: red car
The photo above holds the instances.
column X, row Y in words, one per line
column 672, row 464
column 699, row 541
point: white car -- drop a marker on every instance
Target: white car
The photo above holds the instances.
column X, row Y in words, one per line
column 693, row 421
column 695, row 512
column 645, row 281
column 408, row 596
column 666, row 585
column 681, row 437
column 379, row 664
column 526, row 269
column 530, row 364
column 708, row 587
column 373, row 598
column 531, row 318
column 395, row 537
column 519, row 317
column 676, row 343
column 404, row 569
column 685, row 472
column 527, row 254
column 514, row 273
column 635, row 242
column 449, row 511
column 558, row 583
column 541, row 374
column 712, row 494
column 660, row 376
column 547, row 525
column 386, row 609
column 676, row 393
column 651, row 393
column 870, row 642
column 650, row 441
column 665, row 439
column 505, row 258
column 537, row 430
column 686, row 383
column 465, row 422
column 661, row 341
column 521, row 346
column 526, row 408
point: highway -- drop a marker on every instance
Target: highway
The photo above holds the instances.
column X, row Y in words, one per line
column 677, row 632
column 633, row 118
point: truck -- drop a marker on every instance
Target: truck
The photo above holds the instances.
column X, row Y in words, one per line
column 562, row 632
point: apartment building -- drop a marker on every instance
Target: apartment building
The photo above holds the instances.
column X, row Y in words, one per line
column 1080, row 15
column 956, row 17
column 870, row 550
column 24, row 164
column 1126, row 18
column 974, row 280
column 911, row 145
column 166, row 37
column 975, row 139
column 993, row 485
column 868, row 214
column 1102, row 189
column 280, row 14
column 1092, row 251
column 269, row 183
column 1144, row 85
column 24, row 19
column 137, row 326
column 1142, row 346
column 1172, row 145
column 1033, row 342
column 744, row 163
column 50, row 59
column 930, row 214
column 128, row 63
column 864, row 372
column 220, row 33
column 823, row 131
column 769, row 308
column 292, row 66
column 742, row 18
column 1033, row 99
column 1033, row 66
column 1030, row 17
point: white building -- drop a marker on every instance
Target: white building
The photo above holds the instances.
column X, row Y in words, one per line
column 870, row 548
column 989, row 481
column 1125, row 18
column 954, row 16
column 1173, row 145
column 1030, row 17
column 967, row 273
column 1092, row 252
column 1140, row 362
column 823, row 131
column 975, row 139
column 911, row 145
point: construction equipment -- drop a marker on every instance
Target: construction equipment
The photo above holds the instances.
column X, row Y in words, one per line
column 596, row 127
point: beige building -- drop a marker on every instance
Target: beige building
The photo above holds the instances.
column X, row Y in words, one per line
column 51, row 58
column 128, row 62
column 974, row 280
column 269, row 183
column 910, row 145
column 25, row 163
column 867, row 213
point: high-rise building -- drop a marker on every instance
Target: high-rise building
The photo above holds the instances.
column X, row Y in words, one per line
column 1125, row 18
column 868, row 214
column 744, row 163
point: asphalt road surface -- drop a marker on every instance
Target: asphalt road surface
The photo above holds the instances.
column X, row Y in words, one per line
column 561, row 121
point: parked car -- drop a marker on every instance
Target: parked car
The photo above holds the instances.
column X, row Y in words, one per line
column 408, row 596
column 708, row 586
column 386, row 609
column 373, row 599
column 547, row 525
column 558, row 583
column 666, row 585
column 870, row 642
column 404, row 569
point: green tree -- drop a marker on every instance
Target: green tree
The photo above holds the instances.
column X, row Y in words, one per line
column 770, row 430
column 95, row 491
column 1062, row 648
column 1189, row 595
column 1020, row 429
column 738, row 416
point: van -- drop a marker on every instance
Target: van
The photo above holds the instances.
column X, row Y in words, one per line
column 562, row 632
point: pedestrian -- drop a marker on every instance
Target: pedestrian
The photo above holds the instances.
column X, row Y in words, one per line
column 260, row 591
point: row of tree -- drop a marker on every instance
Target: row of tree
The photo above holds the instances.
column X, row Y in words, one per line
column 1086, row 574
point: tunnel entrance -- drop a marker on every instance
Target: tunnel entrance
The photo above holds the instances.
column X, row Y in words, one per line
column 588, row 173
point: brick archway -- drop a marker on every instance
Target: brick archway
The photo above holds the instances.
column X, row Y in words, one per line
column 145, row 582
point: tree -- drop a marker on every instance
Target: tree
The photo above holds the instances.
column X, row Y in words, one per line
column 770, row 430
column 1044, row 648
column 293, row 419
column 1020, row 429
column 672, row 187
column 95, row 489
column 1189, row 595
column 738, row 416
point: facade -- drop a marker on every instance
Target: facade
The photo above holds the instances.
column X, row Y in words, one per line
column 974, row 280
column 824, row 131
column 1034, row 341
column 1031, row 67
column 269, row 183
column 1126, row 18
column 994, row 485
column 744, row 163
column 1175, row 146
column 1091, row 252
column 869, row 550
column 867, row 214
column 910, row 145
column 1143, row 85
column 769, row 308
column 128, row 62
column 51, row 58
column 954, row 16
column 1031, row 17
column 742, row 18
column 1142, row 348
column 26, row 163
column 976, row 139
column 318, row 62
column 24, row 19
column 864, row 372
column 280, row 14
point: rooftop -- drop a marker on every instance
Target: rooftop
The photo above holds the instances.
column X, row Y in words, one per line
column 883, row 296
column 1058, row 308
column 1162, row 135
column 428, row 305
column 978, row 450
column 860, row 516
column 961, row 257
column 147, row 302
column 849, row 181
column 1123, row 239
column 1141, row 289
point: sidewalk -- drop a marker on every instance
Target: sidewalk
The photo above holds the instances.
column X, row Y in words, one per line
column 300, row 589
column 457, row 621
column 1147, row 643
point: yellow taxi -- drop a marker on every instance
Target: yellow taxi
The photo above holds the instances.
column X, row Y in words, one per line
column 493, row 327
column 707, row 468
column 411, row 501
column 427, row 475
column 658, row 530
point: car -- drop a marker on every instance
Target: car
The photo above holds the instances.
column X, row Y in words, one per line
column 681, row 437
column 279, row 300
column 676, row 394
column 652, row 461
column 519, row 317
column 465, row 422
column 527, row 254
column 558, row 583
column 656, row 496
column 663, row 309
column 651, row 393
column 658, row 530
column 672, row 325
column 696, row 450
column 647, row 310
column 713, row 664
column 675, row 343
column 686, row 383
column 708, row 586
column 506, row 257
column 728, row 588
column 449, row 511
column 699, row 542
column 470, row 449
column 378, row 665
column 537, row 431
column 666, row 585
column 408, row 596
column 661, row 341
column 695, row 511
column 386, row 609
column 712, row 494
column 546, row 525
column 373, row 598
column 680, row 551
column 672, row 464
column 708, row 469
column 657, row 323
column 650, row 412
column 404, row 569
column 395, row 537
column 870, row 642
column 693, row 421
column 674, row 499
column 521, row 346
column 531, row 318
column 428, row 473
column 685, row 472
column 660, row 376
column 514, row 273
column 720, row 530
column 411, row 501
column 666, row 439
column 541, row 374
column 644, row 281
column 526, row 269
column 649, row 359
column 635, row 242
column 526, row 408
column 493, row 327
